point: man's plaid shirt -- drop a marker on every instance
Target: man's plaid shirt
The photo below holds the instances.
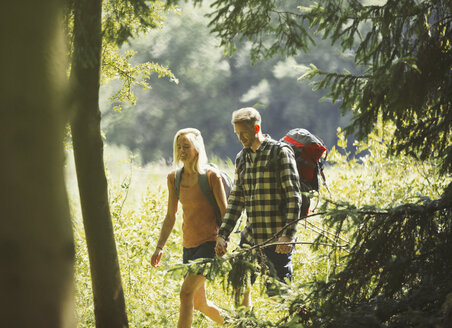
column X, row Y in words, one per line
column 270, row 202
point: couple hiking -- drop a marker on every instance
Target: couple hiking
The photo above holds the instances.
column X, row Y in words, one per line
column 270, row 195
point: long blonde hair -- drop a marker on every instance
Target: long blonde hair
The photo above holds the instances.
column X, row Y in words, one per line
column 195, row 137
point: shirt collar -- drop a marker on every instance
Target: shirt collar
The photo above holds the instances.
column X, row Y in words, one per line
column 264, row 143
column 261, row 147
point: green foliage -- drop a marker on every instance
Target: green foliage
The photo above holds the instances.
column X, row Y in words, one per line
column 373, row 172
column 119, row 66
column 398, row 219
column 387, row 211
column 406, row 51
column 402, row 49
column 393, row 212
column 121, row 21
column 137, row 220
column 269, row 18
column 211, row 86
column 138, row 199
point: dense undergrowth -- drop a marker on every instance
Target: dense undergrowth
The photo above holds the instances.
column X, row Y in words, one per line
column 138, row 196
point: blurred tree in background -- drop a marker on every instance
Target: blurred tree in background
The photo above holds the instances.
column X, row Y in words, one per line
column 36, row 241
column 403, row 47
column 212, row 85
column 96, row 29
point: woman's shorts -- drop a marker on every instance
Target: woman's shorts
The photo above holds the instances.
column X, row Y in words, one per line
column 205, row 250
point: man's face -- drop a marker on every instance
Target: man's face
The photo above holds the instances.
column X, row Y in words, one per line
column 245, row 133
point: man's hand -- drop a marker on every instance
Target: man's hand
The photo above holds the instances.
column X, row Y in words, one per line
column 221, row 246
column 284, row 249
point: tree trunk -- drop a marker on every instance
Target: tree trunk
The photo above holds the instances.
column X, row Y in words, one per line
column 36, row 243
column 109, row 305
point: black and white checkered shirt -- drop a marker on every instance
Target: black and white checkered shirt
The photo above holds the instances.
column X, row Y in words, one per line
column 270, row 202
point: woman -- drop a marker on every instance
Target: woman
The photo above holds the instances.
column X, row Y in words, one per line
column 199, row 222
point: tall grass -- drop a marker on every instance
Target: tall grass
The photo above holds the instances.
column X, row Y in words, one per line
column 138, row 197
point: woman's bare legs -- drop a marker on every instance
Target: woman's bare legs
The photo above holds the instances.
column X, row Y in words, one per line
column 205, row 306
column 193, row 296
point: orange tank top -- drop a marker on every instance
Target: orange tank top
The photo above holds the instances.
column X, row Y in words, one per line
column 199, row 222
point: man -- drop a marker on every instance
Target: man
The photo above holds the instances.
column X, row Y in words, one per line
column 268, row 191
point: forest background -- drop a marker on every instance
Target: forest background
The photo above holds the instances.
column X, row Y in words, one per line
column 208, row 86
column 381, row 250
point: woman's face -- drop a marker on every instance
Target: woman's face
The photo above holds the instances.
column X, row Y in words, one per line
column 187, row 153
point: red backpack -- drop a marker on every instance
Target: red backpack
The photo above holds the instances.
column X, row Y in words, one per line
column 308, row 151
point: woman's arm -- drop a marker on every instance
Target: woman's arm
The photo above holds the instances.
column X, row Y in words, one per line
column 168, row 223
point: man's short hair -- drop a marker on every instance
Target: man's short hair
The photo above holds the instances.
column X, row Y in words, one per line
column 248, row 115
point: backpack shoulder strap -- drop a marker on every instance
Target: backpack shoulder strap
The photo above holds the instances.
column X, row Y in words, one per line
column 240, row 164
column 278, row 145
column 203, row 181
column 177, row 179
column 240, row 159
column 274, row 157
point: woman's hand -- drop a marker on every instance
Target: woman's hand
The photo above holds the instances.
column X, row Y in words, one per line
column 155, row 260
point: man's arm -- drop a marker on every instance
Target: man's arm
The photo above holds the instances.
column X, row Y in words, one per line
column 233, row 211
column 290, row 184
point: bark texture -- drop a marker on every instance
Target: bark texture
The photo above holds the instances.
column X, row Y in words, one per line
column 36, row 243
column 109, row 304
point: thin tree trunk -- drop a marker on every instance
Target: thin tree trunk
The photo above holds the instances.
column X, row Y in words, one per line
column 36, row 243
column 109, row 305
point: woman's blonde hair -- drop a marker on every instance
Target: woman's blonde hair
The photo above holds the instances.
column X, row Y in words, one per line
column 195, row 137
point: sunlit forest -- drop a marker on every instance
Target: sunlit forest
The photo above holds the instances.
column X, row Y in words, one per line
column 93, row 93
column 208, row 86
column 138, row 197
